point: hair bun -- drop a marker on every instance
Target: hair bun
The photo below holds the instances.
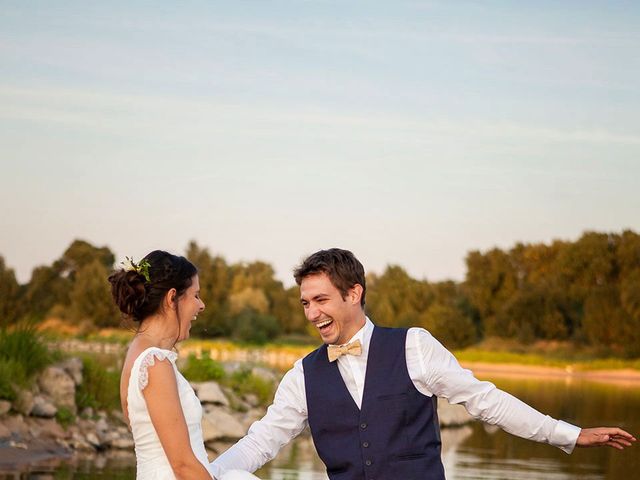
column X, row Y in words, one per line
column 128, row 291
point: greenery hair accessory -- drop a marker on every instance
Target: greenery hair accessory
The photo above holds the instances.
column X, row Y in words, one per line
column 141, row 268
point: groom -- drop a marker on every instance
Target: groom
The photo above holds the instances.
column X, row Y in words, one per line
column 369, row 393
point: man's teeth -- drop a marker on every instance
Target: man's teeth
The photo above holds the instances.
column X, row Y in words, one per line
column 323, row 324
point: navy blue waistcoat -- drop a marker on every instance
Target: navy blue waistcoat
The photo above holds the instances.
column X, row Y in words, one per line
column 395, row 436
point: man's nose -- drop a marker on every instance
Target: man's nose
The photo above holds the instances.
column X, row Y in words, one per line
column 313, row 313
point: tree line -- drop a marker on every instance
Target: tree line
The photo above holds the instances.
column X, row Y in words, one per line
column 586, row 292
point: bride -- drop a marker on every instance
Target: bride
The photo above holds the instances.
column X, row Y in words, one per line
column 162, row 294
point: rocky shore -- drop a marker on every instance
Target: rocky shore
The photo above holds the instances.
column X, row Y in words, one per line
column 44, row 423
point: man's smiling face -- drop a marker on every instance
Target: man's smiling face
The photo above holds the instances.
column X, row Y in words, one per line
column 336, row 318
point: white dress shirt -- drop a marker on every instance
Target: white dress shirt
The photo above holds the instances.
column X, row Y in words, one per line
column 433, row 370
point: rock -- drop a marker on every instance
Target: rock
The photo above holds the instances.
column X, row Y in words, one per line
column 251, row 416
column 236, row 402
column 123, row 443
column 210, row 392
column 104, row 432
column 57, row 384
column 490, row 429
column 265, row 374
column 452, row 415
column 5, row 406
column 73, row 366
column 218, row 423
column 102, row 425
column 251, row 399
column 43, row 407
column 23, row 402
column 118, row 416
column 232, row 367
column 93, row 439
column 5, row 433
column 42, row 428
column 78, row 442
column 87, row 412
column 219, row 447
column 16, row 425
column 86, row 426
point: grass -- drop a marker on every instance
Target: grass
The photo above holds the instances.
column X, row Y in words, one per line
column 548, row 354
column 23, row 354
column 100, row 387
column 65, row 417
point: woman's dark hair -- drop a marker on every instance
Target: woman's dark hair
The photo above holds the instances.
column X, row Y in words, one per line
column 138, row 298
column 341, row 266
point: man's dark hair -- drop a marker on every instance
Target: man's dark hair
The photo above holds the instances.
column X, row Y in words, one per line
column 341, row 266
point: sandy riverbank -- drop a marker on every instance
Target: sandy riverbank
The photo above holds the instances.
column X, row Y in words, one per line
column 621, row 377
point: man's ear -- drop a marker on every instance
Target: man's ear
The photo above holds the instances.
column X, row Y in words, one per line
column 355, row 294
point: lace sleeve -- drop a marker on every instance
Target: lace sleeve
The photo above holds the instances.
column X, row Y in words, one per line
column 149, row 360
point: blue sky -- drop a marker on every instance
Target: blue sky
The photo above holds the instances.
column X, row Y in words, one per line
column 408, row 132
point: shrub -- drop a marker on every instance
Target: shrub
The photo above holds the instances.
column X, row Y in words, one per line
column 24, row 346
column 100, row 387
column 65, row 417
column 202, row 369
column 254, row 327
column 244, row 382
column 11, row 373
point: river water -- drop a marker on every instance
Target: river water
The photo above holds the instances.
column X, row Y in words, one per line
column 477, row 451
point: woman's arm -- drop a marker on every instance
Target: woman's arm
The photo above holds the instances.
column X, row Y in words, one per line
column 165, row 410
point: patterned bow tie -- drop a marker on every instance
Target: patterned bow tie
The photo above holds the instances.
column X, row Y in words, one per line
column 335, row 351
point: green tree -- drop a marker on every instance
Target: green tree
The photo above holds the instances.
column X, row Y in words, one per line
column 215, row 280
column 81, row 253
column 9, row 295
column 449, row 325
column 91, row 297
column 250, row 278
column 290, row 312
column 395, row 299
column 46, row 289
column 491, row 280
column 630, row 301
column 603, row 317
column 532, row 313
column 254, row 327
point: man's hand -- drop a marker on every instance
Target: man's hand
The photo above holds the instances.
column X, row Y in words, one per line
column 597, row 437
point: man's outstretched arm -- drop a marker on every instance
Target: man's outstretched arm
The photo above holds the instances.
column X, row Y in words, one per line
column 444, row 377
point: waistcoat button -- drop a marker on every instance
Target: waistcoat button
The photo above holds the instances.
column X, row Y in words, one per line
column 363, row 426
column 365, row 444
column 368, row 462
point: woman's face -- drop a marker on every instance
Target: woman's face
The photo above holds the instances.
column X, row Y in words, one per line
column 189, row 306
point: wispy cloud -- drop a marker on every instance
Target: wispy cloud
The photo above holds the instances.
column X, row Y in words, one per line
column 125, row 112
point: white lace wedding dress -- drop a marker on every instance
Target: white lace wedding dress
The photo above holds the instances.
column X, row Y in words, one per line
column 152, row 463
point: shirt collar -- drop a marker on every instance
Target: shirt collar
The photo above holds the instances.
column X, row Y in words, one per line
column 364, row 334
